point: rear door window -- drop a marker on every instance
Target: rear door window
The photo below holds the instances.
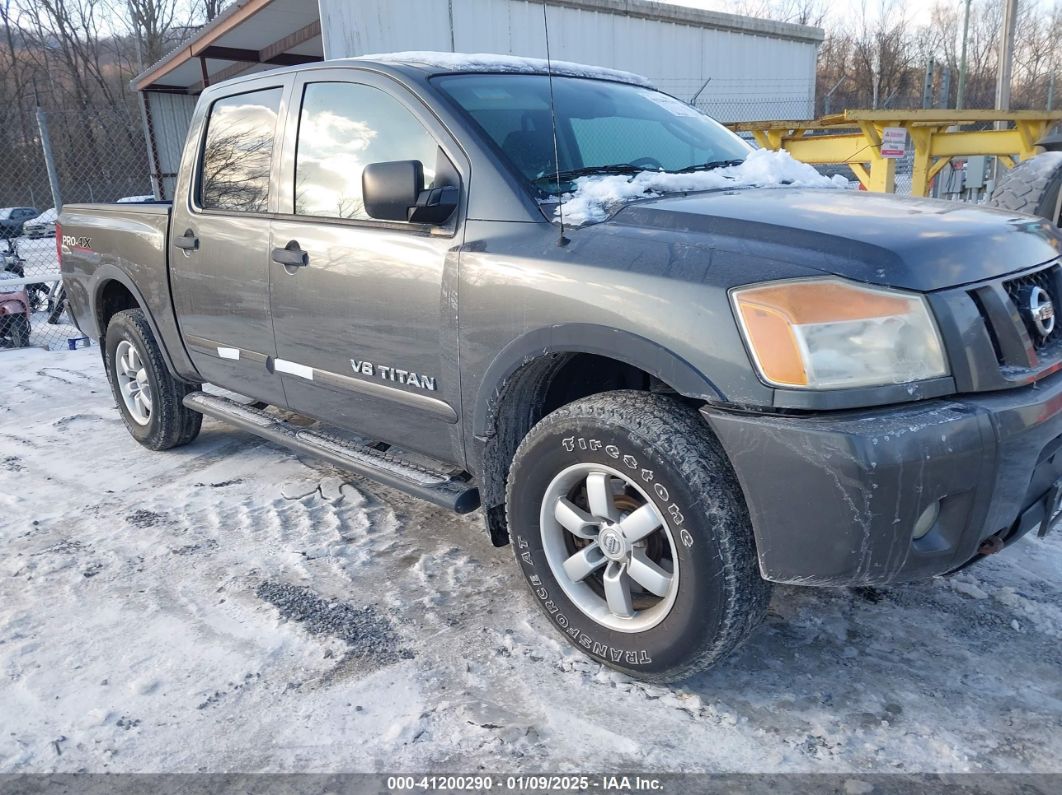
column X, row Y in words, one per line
column 238, row 152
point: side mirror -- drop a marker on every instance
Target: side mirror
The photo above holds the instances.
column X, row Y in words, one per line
column 395, row 192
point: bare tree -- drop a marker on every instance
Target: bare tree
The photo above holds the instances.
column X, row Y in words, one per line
column 801, row 12
column 211, row 8
column 882, row 37
column 152, row 22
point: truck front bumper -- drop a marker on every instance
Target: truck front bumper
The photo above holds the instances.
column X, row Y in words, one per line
column 835, row 498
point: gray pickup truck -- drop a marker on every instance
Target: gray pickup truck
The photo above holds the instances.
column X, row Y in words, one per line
column 700, row 389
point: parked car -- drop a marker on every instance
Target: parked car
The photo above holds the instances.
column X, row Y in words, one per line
column 41, row 226
column 12, row 219
column 702, row 388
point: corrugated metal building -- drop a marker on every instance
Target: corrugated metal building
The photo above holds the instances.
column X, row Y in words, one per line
column 735, row 68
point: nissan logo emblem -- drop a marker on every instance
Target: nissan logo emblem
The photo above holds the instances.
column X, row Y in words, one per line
column 1042, row 311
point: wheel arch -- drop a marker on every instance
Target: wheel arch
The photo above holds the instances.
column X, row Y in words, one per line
column 526, row 380
column 585, row 338
column 115, row 292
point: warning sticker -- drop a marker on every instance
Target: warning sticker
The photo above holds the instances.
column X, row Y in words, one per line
column 893, row 142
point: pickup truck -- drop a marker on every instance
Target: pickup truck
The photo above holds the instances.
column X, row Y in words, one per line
column 701, row 383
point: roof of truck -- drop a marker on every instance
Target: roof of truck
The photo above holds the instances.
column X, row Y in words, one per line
column 459, row 62
column 420, row 66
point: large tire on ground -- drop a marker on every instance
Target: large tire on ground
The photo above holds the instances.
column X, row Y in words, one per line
column 632, row 531
column 148, row 396
column 1033, row 186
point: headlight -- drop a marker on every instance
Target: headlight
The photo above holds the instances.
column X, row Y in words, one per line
column 831, row 334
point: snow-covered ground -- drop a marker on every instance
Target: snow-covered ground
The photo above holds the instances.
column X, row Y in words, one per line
column 232, row 607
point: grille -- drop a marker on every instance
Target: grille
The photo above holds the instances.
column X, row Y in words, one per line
column 1019, row 291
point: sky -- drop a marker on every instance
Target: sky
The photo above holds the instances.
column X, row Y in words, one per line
column 917, row 11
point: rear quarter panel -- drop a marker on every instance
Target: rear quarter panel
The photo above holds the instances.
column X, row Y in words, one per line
column 102, row 243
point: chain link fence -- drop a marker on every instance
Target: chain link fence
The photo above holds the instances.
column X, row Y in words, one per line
column 57, row 157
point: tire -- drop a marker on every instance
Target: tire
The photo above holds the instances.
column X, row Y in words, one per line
column 57, row 307
column 19, row 328
column 1033, row 186
column 663, row 455
column 167, row 423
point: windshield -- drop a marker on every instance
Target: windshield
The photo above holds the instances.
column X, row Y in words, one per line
column 602, row 127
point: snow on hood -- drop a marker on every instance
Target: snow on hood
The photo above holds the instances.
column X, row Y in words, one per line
column 47, row 217
column 595, row 198
column 489, row 62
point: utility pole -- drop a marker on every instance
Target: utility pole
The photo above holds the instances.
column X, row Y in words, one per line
column 1006, row 66
column 961, row 91
column 1006, row 55
column 49, row 160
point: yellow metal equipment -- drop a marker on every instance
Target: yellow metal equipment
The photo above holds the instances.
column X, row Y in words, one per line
column 854, row 137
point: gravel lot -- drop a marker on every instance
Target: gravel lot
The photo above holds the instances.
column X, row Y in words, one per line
column 232, row 607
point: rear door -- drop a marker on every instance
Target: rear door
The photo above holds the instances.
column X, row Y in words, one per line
column 366, row 330
column 219, row 239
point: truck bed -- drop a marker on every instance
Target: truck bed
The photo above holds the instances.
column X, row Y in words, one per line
column 115, row 249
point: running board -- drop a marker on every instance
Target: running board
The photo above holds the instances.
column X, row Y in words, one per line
column 435, row 487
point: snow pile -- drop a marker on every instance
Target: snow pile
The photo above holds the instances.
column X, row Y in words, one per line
column 47, row 217
column 596, row 197
column 490, row 62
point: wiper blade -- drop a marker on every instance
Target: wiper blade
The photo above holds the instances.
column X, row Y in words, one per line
column 711, row 164
column 586, row 171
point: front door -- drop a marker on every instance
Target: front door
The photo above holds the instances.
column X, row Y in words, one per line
column 365, row 323
column 219, row 236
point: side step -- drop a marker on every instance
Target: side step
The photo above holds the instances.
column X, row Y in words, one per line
column 435, row 487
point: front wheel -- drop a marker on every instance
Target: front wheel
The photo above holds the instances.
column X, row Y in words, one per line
column 149, row 398
column 631, row 529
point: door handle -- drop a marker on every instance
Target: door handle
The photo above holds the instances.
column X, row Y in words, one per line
column 188, row 241
column 291, row 256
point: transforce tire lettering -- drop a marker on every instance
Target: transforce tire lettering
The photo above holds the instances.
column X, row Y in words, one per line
column 636, row 657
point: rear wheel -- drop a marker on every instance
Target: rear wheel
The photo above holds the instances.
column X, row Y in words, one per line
column 1033, row 186
column 20, row 331
column 632, row 532
column 149, row 398
column 57, row 307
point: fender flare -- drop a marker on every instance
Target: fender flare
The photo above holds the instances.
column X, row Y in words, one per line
column 613, row 343
column 112, row 273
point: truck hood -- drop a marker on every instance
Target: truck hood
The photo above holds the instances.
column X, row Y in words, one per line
column 916, row 244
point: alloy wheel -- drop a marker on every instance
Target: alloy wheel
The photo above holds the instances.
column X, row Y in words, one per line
column 133, row 382
column 609, row 547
